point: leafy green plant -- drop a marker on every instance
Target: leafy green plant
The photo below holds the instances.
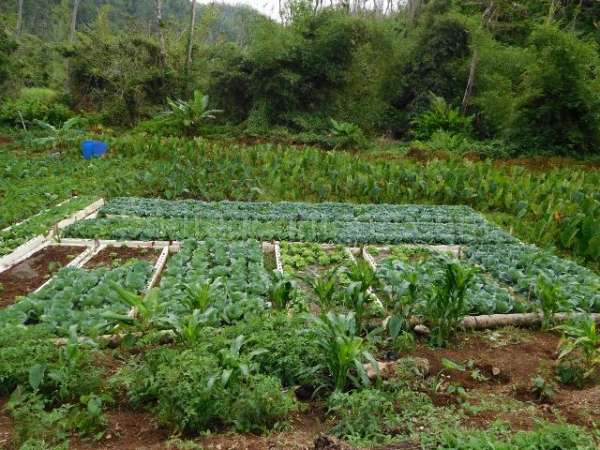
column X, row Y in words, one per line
column 235, row 365
column 282, row 290
column 582, row 336
column 441, row 116
column 346, row 135
column 363, row 416
column 447, row 305
column 543, row 389
column 344, row 352
column 145, row 308
column 59, row 136
column 551, row 299
column 189, row 115
column 325, row 287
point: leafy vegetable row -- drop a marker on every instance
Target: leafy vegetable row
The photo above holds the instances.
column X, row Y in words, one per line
column 268, row 212
column 484, row 295
column 11, row 239
column 540, row 275
column 306, row 231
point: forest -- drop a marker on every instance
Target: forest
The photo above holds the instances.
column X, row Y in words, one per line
column 346, row 225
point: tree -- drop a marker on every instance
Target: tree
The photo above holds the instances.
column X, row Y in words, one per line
column 191, row 37
column 74, row 20
column 161, row 34
column 19, row 26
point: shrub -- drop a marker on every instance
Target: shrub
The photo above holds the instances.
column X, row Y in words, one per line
column 34, row 104
column 346, row 136
column 185, row 389
column 362, row 415
column 441, row 116
column 559, row 103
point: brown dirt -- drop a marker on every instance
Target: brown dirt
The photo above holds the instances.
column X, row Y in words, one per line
column 305, row 427
column 126, row 430
column 30, row 274
column 116, row 256
column 6, row 427
column 509, row 370
column 546, row 163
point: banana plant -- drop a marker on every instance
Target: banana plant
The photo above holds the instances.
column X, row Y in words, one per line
column 59, row 136
column 145, row 310
column 189, row 115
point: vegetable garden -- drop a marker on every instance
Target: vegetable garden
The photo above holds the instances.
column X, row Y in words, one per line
column 310, row 321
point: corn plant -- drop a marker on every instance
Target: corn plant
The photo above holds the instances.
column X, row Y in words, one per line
column 282, row 291
column 235, row 365
column 403, row 301
column 145, row 308
column 551, row 299
column 324, row 286
column 197, row 296
column 447, row 304
column 582, row 336
column 344, row 352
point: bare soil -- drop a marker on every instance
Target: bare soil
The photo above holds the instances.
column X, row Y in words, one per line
column 30, row 274
column 508, row 370
column 117, row 256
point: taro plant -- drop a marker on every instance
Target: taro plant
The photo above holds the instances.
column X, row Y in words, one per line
column 447, row 305
column 189, row 115
column 59, row 136
column 581, row 336
column 343, row 351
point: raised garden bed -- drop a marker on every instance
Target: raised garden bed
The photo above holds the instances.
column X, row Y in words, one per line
column 115, row 256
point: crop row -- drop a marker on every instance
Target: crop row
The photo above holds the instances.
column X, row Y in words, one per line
column 306, row 231
column 540, row 275
column 79, row 297
column 224, row 280
column 40, row 224
column 268, row 212
column 485, row 295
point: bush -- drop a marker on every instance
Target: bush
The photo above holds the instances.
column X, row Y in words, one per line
column 362, row 415
column 34, row 104
column 559, row 103
column 441, row 116
column 184, row 388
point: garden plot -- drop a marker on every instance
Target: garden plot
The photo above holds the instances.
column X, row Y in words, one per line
column 223, row 281
column 416, row 271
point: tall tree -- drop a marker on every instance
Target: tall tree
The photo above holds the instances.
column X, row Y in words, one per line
column 19, row 17
column 161, row 33
column 74, row 20
column 191, row 37
column 486, row 19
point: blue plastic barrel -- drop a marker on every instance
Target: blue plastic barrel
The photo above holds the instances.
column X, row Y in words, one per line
column 87, row 149
column 90, row 149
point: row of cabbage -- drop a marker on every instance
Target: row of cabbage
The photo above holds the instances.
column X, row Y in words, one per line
column 268, row 212
column 349, row 233
column 540, row 275
column 85, row 298
column 484, row 296
column 224, row 281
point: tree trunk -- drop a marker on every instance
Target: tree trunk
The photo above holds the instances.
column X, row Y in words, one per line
column 485, row 21
column 191, row 38
column 160, row 30
column 19, row 17
column 74, row 20
column 470, row 82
